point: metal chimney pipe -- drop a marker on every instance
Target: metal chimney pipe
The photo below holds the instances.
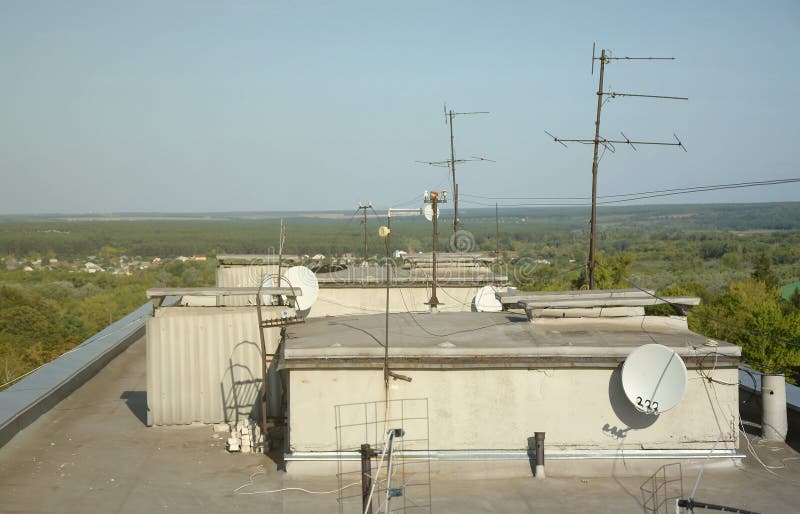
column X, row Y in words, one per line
column 539, row 436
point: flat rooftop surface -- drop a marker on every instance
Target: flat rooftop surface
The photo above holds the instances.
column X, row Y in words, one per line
column 492, row 334
column 93, row 453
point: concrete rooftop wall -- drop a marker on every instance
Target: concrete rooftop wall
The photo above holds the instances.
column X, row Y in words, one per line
column 501, row 409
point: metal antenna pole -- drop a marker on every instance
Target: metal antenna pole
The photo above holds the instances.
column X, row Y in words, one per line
column 593, row 222
column 388, row 278
column 364, row 208
column 388, row 373
column 451, row 162
column 608, row 144
column 433, row 199
column 281, row 238
column 496, row 231
column 453, row 173
column 434, row 302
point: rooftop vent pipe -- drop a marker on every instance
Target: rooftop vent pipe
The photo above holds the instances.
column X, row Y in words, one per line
column 774, row 422
column 539, row 436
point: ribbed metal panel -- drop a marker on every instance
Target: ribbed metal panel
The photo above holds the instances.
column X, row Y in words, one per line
column 203, row 364
column 243, row 276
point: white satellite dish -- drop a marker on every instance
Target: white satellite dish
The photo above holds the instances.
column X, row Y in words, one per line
column 428, row 212
column 654, row 378
column 304, row 279
column 266, row 299
column 486, row 301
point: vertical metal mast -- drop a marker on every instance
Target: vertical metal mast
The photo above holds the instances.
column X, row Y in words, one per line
column 364, row 208
column 593, row 222
column 451, row 162
column 453, row 172
column 434, row 199
column 608, row 144
column 496, row 232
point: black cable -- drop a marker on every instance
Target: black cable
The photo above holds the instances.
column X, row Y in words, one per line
column 690, row 188
column 723, row 322
column 626, row 197
column 414, row 319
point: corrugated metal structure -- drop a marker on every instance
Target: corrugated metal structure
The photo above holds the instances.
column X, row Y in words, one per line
column 245, row 276
column 204, row 364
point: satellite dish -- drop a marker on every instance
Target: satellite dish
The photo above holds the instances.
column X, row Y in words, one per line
column 654, row 378
column 383, row 231
column 266, row 299
column 428, row 212
column 486, row 301
column 304, row 279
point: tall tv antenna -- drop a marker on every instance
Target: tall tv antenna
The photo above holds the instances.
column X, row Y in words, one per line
column 451, row 162
column 364, row 207
column 608, row 144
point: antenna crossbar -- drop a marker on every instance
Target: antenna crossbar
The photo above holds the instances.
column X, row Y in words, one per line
column 614, row 94
column 618, row 141
column 604, row 58
column 607, row 58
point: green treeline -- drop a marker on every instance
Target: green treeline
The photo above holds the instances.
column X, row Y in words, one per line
column 735, row 257
column 46, row 313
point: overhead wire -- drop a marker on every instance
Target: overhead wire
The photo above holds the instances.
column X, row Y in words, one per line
column 416, row 197
column 734, row 326
column 624, row 197
column 434, row 334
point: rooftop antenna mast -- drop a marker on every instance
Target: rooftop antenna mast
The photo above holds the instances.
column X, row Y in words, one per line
column 608, row 144
column 386, row 233
column 364, row 207
column 451, row 163
column 434, row 198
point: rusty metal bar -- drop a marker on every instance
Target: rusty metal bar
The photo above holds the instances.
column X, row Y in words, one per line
column 366, row 477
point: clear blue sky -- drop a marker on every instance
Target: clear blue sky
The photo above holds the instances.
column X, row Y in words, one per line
column 114, row 106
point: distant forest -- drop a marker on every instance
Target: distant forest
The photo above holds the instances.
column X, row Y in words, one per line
column 73, row 237
column 735, row 257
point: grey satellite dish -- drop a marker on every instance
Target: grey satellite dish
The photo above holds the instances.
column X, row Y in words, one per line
column 654, row 378
column 486, row 301
column 428, row 212
column 304, row 279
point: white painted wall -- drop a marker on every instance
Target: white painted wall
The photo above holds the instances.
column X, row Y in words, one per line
column 501, row 409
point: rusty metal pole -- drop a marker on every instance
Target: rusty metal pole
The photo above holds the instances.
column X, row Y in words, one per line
column 264, row 375
column 434, row 302
column 388, row 279
column 496, row 232
column 593, row 224
column 453, row 174
column 366, row 256
column 366, row 478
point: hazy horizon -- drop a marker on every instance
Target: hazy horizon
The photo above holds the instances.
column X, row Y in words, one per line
column 347, row 212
